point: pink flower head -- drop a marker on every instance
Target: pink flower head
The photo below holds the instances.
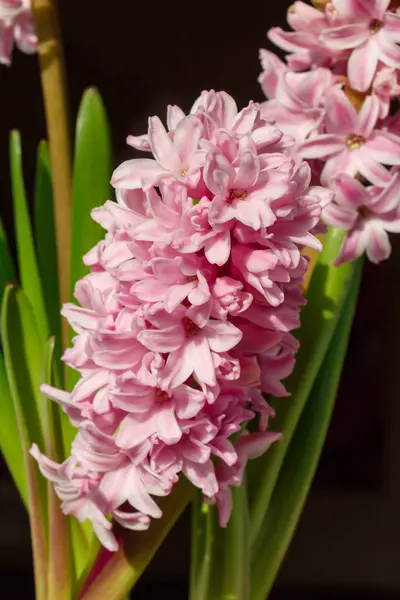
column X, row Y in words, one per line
column 296, row 100
column 185, row 315
column 370, row 33
column 16, row 26
column 351, row 143
column 367, row 214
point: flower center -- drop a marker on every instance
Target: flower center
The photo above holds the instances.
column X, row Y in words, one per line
column 183, row 173
column 355, row 141
column 161, row 396
column 191, row 278
column 191, row 329
column 375, row 26
column 364, row 212
column 236, row 194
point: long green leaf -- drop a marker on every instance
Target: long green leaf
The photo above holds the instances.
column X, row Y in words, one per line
column 326, row 295
column 7, row 271
column 10, row 443
column 91, row 178
column 302, row 457
column 28, row 268
column 23, row 362
column 91, row 186
column 59, row 568
column 221, row 557
column 45, row 239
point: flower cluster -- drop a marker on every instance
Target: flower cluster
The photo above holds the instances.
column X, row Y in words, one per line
column 16, row 26
column 185, row 317
column 343, row 58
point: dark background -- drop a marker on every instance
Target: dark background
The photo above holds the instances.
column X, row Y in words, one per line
column 143, row 56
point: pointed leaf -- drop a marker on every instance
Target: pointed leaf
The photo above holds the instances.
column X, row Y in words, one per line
column 10, row 442
column 28, row 268
column 221, row 560
column 91, row 178
column 302, row 457
column 22, row 353
column 45, row 238
column 91, row 186
column 325, row 297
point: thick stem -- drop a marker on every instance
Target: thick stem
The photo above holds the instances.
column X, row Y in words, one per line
column 55, row 100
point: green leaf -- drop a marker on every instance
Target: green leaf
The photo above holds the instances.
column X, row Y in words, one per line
column 28, row 268
column 91, row 178
column 91, row 186
column 45, row 238
column 10, row 443
column 23, row 362
column 7, row 271
column 325, row 298
column 302, row 457
column 220, row 568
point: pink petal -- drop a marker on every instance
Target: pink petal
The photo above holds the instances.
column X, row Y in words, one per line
column 345, row 36
column 89, row 384
column 389, row 198
column 392, row 26
column 202, row 476
column 186, row 137
column 174, row 116
column 255, row 445
column 150, row 290
column 133, row 174
column 201, row 359
column 218, row 248
column 384, row 148
column 138, row 496
column 322, row 146
column 249, row 164
column 162, row 147
column 135, row 429
column 388, row 51
column 350, row 192
column 218, row 173
column 162, row 340
column 140, row 142
column 341, row 115
column 353, row 246
column 176, row 294
column 339, row 216
column 167, row 426
column 378, row 245
column 362, row 65
column 222, row 335
column 371, row 169
column 368, row 116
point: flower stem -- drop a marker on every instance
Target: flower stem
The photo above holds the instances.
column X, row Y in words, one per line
column 55, row 100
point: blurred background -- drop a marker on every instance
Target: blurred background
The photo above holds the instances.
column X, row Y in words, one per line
column 143, row 56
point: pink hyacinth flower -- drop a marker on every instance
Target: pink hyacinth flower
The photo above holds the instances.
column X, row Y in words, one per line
column 371, row 33
column 16, row 25
column 352, row 143
column 367, row 214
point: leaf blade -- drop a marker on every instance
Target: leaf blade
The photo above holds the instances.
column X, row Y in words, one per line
column 325, row 298
column 10, row 444
column 21, row 342
column 91, row 178
column 27, row 263
column 46, row 245
column 302, row 458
